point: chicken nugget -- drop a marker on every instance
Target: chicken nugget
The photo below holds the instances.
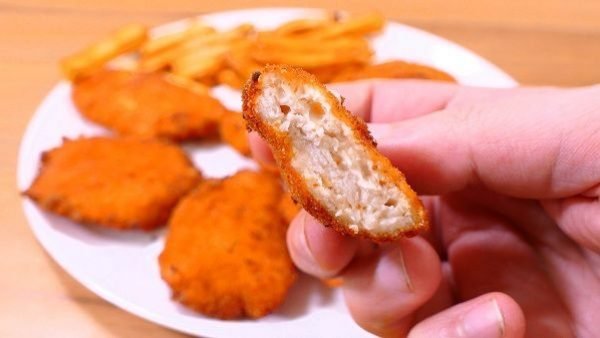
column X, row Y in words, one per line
column 288, row 208
column 123, row 184
column 394, row 70
column 328, row 158
column 232, row 129
column 146, row 105
column 225, row 253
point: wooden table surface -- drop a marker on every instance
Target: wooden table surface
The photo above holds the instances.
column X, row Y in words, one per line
column 539, row 42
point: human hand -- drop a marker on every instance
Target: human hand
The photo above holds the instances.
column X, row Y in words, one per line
column 513, row 184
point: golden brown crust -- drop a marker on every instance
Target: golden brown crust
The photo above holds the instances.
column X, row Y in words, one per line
column 288, row 208
column 122, row 184
column 233, row 131
column 282, row 150
column 225, row 253
column 146, row 105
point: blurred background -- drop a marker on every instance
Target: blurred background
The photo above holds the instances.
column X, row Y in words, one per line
column 549, row 42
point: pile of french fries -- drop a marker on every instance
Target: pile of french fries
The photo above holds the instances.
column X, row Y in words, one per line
column 202, row 55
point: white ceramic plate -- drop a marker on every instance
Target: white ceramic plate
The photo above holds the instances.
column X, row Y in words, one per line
column 122, row 267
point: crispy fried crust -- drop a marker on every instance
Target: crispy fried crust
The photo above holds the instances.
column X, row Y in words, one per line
column 394, row 70
column 288, row 208
column 233, row 131
column 116, row 183
column 280, row 144
column 146, row 105
column 225, row 253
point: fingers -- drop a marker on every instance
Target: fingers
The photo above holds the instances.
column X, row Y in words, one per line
column 579, row 218
column 393, row 100
column 431, row 151
column 260, row 149
column 317, row 250
column 569, row 266
column 383, row 288
column 488, row 316
column 384, row 291
column 516, row 142
column 357, row 97
column 487, row 254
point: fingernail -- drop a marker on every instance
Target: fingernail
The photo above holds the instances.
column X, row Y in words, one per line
column 485, row 321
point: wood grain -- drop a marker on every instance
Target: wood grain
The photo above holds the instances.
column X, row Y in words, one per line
column 552, row 42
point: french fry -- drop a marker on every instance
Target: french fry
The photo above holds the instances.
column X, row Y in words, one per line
column 302, row 26
column 327, row 74
column 157, row 61
column 196, row 40
column 203, row 67
column 302, row 44
column 363, row 25
column 124, row 62
column 127, row 39
column 333, row 49
column 164, row 42
column 312, row 59
column 308, row 53
column 199, row 42
column 202, row 62
column 196, row 87
column 240, row 61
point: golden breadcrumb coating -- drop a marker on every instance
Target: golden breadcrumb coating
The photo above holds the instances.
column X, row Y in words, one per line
column 146, row 105
column 288, row 208
column 225, row 254
column 287, row 107
column 233, row 131
column 394, row 70
column 120, row 183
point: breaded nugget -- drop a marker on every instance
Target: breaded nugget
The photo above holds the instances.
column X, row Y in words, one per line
column 123, row 183
column 146, row 105
column 225, row 254
column 328, row 158
column 288, row 208
column 232, row 129
column 394, row 70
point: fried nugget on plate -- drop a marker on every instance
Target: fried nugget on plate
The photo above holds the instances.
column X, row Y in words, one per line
column 225, row 253
column 328, row 158
column 120, row 183
column 288, row 208
column 146, row 105
column 232, row 129
column 394, row 70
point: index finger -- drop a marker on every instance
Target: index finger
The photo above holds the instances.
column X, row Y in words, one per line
column 381, row 101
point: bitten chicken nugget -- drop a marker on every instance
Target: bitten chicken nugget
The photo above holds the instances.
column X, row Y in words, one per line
column 288, row 208
column 117, row 183
column 233, row 132
column 146, row 105
column 225, row 253
column 328, row 158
